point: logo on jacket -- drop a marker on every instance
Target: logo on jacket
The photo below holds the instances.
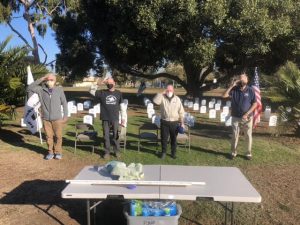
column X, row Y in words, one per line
column 111, row 100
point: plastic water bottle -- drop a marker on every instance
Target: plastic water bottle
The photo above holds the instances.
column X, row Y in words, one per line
column 135, row 208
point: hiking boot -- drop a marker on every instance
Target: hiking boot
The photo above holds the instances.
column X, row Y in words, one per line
column 58, row 156
column 249, row 156
column 173, row 155
column 49, row 156
column 163, row 155
column 106, row 156
column 233, row 155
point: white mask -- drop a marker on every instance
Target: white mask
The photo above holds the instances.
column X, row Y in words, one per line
column 170, row 94
column 50, row 83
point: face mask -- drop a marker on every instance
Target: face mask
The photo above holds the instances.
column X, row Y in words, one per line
column 109, row 86
column 50, row 83
column 170, row 94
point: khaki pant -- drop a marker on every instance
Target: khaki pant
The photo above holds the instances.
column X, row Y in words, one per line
column 53, row 129
column 246, row 126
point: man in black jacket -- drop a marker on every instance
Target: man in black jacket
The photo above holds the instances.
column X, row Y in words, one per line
column 110, row 100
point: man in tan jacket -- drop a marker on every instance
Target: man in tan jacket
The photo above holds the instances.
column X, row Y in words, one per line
column 172, row 113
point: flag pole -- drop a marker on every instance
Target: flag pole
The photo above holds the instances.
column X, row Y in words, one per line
column 38, row 126
column 37, row 114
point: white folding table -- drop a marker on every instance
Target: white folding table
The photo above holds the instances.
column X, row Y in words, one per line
column 223, row 184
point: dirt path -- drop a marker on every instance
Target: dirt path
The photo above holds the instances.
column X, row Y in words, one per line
column 30, row 188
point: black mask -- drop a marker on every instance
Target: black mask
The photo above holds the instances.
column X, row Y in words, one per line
column 109, row 86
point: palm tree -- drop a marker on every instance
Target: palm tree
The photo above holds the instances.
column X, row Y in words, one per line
column 288, row 87
column 13, row 74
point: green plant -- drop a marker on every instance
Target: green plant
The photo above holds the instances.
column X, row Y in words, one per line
column 13, row 72
column 288, row 89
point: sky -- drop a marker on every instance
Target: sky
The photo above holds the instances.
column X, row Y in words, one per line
column 48, row 42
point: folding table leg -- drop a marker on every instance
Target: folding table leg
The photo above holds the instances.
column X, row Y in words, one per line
column 228, row 208
column 88, row 212
column 232, row 213
column 226, row 212
column 94, row 214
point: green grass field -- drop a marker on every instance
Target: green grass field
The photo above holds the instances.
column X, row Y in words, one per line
column 210, row 146
column 274, row 170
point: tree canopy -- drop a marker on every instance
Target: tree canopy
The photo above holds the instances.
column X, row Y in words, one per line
column 139, row 37
column 36, row 14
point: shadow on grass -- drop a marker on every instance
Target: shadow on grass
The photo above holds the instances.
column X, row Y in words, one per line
column 136, row 136
column 211, row 131
column 45, row 195
column 144, row 147
column 210, row 151
column 41, row 192
column 17, row 140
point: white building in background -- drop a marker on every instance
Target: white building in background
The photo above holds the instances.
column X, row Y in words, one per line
column 86, row 82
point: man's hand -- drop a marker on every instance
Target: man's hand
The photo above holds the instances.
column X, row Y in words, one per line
column 235, row 83
column 122, row 122
column 245, row 117
column 65, row 119
column 99, row 81
column 44, row 78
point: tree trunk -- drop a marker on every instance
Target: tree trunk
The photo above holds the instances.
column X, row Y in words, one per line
column 192, row 80
column 192, row 87
column 35, row 50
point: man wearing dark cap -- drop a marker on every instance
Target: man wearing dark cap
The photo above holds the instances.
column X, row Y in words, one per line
column 110, row 100
column 243, row 103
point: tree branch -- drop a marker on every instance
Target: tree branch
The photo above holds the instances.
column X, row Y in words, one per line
column 46, row 56
column 53, row 10
column 204, row 73
column 41, row 7
column 24, row 2
column 137, row 73
column 32, row 3
column 19, row 34
column 50, row 62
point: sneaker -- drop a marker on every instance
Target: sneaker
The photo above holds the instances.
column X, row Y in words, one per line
column 163, row 156
column 249, row 156
column 118, row 155
column 106, row 156
column 49, row 156
column 58, row 156
column 233, row 155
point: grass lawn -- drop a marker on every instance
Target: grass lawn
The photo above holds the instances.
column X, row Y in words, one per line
column 274, row 170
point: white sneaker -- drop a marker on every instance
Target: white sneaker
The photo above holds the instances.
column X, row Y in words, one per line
column 233, row 155
column 249, row 156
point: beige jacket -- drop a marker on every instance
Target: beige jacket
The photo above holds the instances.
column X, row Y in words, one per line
column 171, row 110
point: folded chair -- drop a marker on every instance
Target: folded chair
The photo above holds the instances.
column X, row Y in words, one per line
column 185, row 138
column 85, row 133
column 122, row 137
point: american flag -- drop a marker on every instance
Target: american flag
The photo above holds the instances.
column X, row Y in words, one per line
column 258, row 110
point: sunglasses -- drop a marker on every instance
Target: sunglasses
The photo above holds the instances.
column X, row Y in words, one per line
column 50, row 80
